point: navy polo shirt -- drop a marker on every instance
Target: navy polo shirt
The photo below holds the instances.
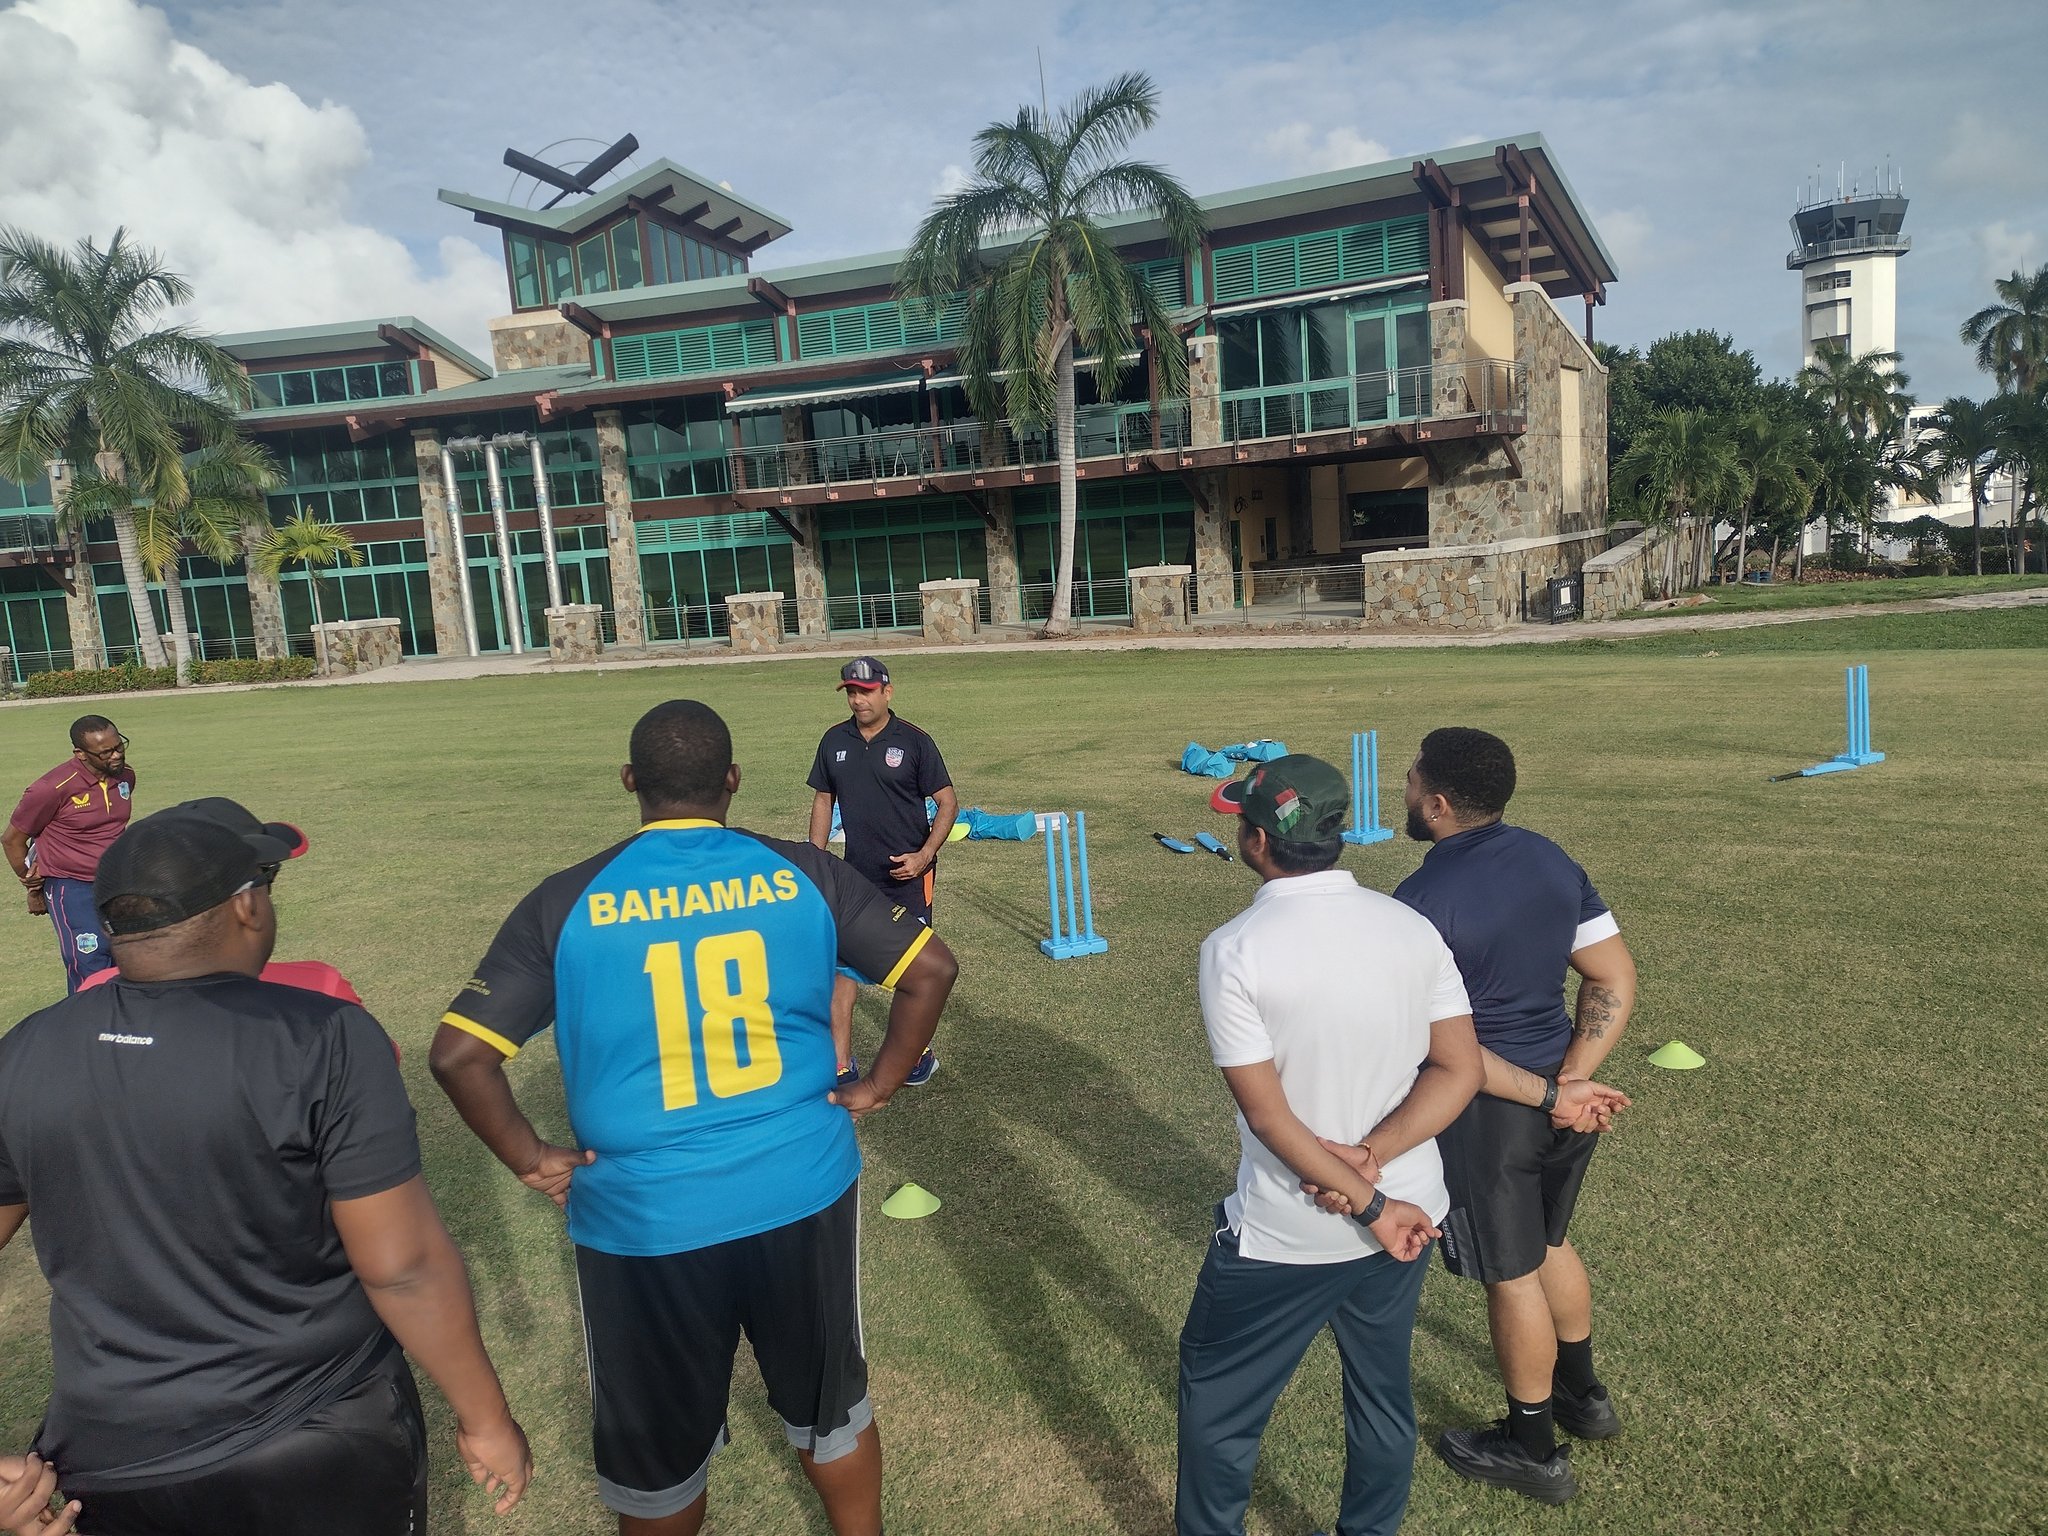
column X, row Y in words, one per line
column 1513, row 907
column 881, row 787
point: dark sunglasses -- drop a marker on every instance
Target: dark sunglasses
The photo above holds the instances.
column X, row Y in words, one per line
column 119, row 746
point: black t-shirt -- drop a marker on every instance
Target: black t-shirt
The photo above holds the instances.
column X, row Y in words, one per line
column 177, row 1144
column 881, row 787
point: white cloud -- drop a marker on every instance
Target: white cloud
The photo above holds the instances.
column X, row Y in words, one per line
column 244, row 188
column 953, row 178
column 2007, row 250
column 1304, row 151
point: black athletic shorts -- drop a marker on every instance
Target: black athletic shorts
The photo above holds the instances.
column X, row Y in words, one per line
column 662, row 1333
column 357, row 1467
column 1514, row 1179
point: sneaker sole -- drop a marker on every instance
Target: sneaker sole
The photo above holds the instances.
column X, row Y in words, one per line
column 918, row 1081
column 1542, row 1493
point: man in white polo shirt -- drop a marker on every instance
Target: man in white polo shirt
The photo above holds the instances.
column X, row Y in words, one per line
column 1336, row 1014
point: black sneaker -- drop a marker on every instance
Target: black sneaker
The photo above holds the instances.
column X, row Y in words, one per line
column 1591, row 1417
column 1491, row 1455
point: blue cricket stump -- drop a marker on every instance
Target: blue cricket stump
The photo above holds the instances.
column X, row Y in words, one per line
column 1856, row 689
column 1077, row 935
column 1365, row 790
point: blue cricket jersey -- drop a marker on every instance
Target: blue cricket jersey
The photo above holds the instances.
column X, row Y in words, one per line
column 688, row 974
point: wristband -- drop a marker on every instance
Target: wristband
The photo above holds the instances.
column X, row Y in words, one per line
column 1371, row 1213
column 1549, row 1095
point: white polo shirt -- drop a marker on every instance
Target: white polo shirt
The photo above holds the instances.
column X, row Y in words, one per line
column 1337, row 986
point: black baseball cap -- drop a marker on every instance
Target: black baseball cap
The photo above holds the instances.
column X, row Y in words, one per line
column 864, row 672
column 1297, row 799
column 186, row 860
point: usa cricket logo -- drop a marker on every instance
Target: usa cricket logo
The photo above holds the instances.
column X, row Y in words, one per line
column 893, row 757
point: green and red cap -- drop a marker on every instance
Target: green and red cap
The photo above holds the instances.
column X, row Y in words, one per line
column 1297, row 799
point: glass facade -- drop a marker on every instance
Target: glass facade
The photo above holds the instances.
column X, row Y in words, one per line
column 690, row 565
column 678, row 448
column 875, row 554
column 1119, row 524
column 33, row 624
column 331, row 386
column 338, row 481
column 1321, row 367
column 545, row 272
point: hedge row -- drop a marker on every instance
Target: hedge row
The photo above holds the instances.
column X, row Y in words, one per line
column 134, row 678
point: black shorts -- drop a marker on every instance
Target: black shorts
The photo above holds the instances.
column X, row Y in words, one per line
column 662, row 1333
column 356, row 1467
column 913, row 896
column 1514, row 1179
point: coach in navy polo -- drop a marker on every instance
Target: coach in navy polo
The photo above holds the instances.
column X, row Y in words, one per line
column 1517, row 912
column 880, row 769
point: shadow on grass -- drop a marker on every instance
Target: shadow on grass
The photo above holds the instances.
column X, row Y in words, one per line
column 1015, row 916
column 1026, row 1255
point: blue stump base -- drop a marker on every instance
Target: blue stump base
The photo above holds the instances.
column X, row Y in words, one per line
column 1371, row 835
column 1073, row 949
column 1843, row 763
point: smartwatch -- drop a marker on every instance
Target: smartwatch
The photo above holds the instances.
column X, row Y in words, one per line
column 1549, row 1095
column 1371, row 1213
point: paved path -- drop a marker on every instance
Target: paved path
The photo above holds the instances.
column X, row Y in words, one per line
column 1222, row 636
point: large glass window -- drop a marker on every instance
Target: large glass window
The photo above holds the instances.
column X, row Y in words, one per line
column 559, row 267
column 526, row 285
column 677, row 448
column 1122, row 524
column 1318, row 368
column 689, row 566
column 594, row 265
column 626, row 253
column 338, row 481
column 330, row 386
column 875, row 555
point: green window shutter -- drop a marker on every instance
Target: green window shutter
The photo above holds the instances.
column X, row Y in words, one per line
column 1165, row 279
column 692, row 352
column 1233, row 270
column 814, row 335
column 1364, row 252
column 757, row 342
column 1408, row 245
column 1318, row 261
column 629, row 358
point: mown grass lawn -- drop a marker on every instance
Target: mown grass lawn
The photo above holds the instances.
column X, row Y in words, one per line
column 1817, row 1260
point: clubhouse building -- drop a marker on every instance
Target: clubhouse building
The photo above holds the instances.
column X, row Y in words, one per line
column 1389, row 416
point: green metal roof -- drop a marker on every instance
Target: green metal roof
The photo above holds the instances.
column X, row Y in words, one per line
column 251, row 347
column 687, row 186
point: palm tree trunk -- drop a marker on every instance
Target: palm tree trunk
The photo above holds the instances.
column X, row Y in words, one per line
column 1976, row 526
column 1774, row 557
column 181, row 629
column 149, row 640
column 1063, row 576
column 1742, row 550
column 1799, row 555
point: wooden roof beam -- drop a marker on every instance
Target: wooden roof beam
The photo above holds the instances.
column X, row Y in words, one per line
column 725, row 230
column 1515, row 164
column 771, row 295
column 585, row 321
column 1434, row 184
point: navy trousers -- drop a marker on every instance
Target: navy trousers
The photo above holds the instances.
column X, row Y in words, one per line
column 1247, row 1330
column 79, row 935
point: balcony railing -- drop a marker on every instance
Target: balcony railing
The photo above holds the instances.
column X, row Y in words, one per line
column 28, row 533
column 1485, row 387
column 1821, row 250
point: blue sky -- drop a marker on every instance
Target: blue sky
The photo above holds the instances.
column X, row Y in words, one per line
column 287, row 154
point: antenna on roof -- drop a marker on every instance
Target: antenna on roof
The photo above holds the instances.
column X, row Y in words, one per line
column 569, row 177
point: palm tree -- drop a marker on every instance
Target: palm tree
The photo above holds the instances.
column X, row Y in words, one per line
column 2011, row 337
column 1963, row 439
column 1866, row 394
column 88, row 375
column 1777, row 458
column 1024, row 244
column 2020, row 421
column 1680, row 465
column 307, row 542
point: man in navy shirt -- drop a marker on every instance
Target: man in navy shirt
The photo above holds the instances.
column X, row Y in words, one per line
column 880, row 769
column 1516, row 912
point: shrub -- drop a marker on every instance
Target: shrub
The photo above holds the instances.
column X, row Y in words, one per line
column 128, row 678
column 239, row 669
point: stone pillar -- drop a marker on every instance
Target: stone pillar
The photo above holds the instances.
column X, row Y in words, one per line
column 1214, row 587
column 6, row 673
column 575, row 632
column 348, row 646
column 808, row 565
column 1159, row 598
column 447, row 568
column 81, row 606
column 1450, row 344
column 1005, row 601
column 753, row 622
column 949, row 610
column 796, row 463
column 620, row 540
column 1205, row 391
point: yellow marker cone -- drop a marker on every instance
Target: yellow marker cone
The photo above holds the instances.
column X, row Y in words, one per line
column 910, row 1202
column 1677, row 1056
column 957, row 831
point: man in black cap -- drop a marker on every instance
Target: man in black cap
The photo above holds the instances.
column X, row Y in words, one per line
column 229, row 1210
column 880, row 769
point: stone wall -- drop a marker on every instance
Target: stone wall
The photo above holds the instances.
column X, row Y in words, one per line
column 349, row 646
column 575, row 632
column 540, row 339
column 1473, row 586
column 621, row 543
column 1618, row 579
column 754, row 622
column 1159, row 598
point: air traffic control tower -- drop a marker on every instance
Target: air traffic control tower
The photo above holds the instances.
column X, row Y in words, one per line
column 1847, row 253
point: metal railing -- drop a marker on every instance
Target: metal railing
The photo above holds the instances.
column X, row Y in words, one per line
column 1279, row 595
column 29, row 533
column 1485, row 387
column 1110, row 599
column 690, row 623
column 1821, row 250
column 960, row 447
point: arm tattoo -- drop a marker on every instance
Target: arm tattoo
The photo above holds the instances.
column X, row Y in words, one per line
column 1598, row 1008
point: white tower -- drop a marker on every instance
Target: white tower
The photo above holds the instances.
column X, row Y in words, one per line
column 1847, row 253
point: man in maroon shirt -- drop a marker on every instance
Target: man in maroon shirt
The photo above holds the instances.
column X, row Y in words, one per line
column 72, row 814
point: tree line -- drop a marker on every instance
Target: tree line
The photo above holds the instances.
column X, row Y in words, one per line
column 1699, row 441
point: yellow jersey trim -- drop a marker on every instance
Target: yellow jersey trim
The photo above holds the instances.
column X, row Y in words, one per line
column 909, row 955
column 679, row 823
column 490, row 1037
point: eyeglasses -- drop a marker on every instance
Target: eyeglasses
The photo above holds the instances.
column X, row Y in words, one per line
column 266, row 874
column 120, row 745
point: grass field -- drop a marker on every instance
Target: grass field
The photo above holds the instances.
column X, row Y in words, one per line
column 1752, row 597
column 1817, row 1261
